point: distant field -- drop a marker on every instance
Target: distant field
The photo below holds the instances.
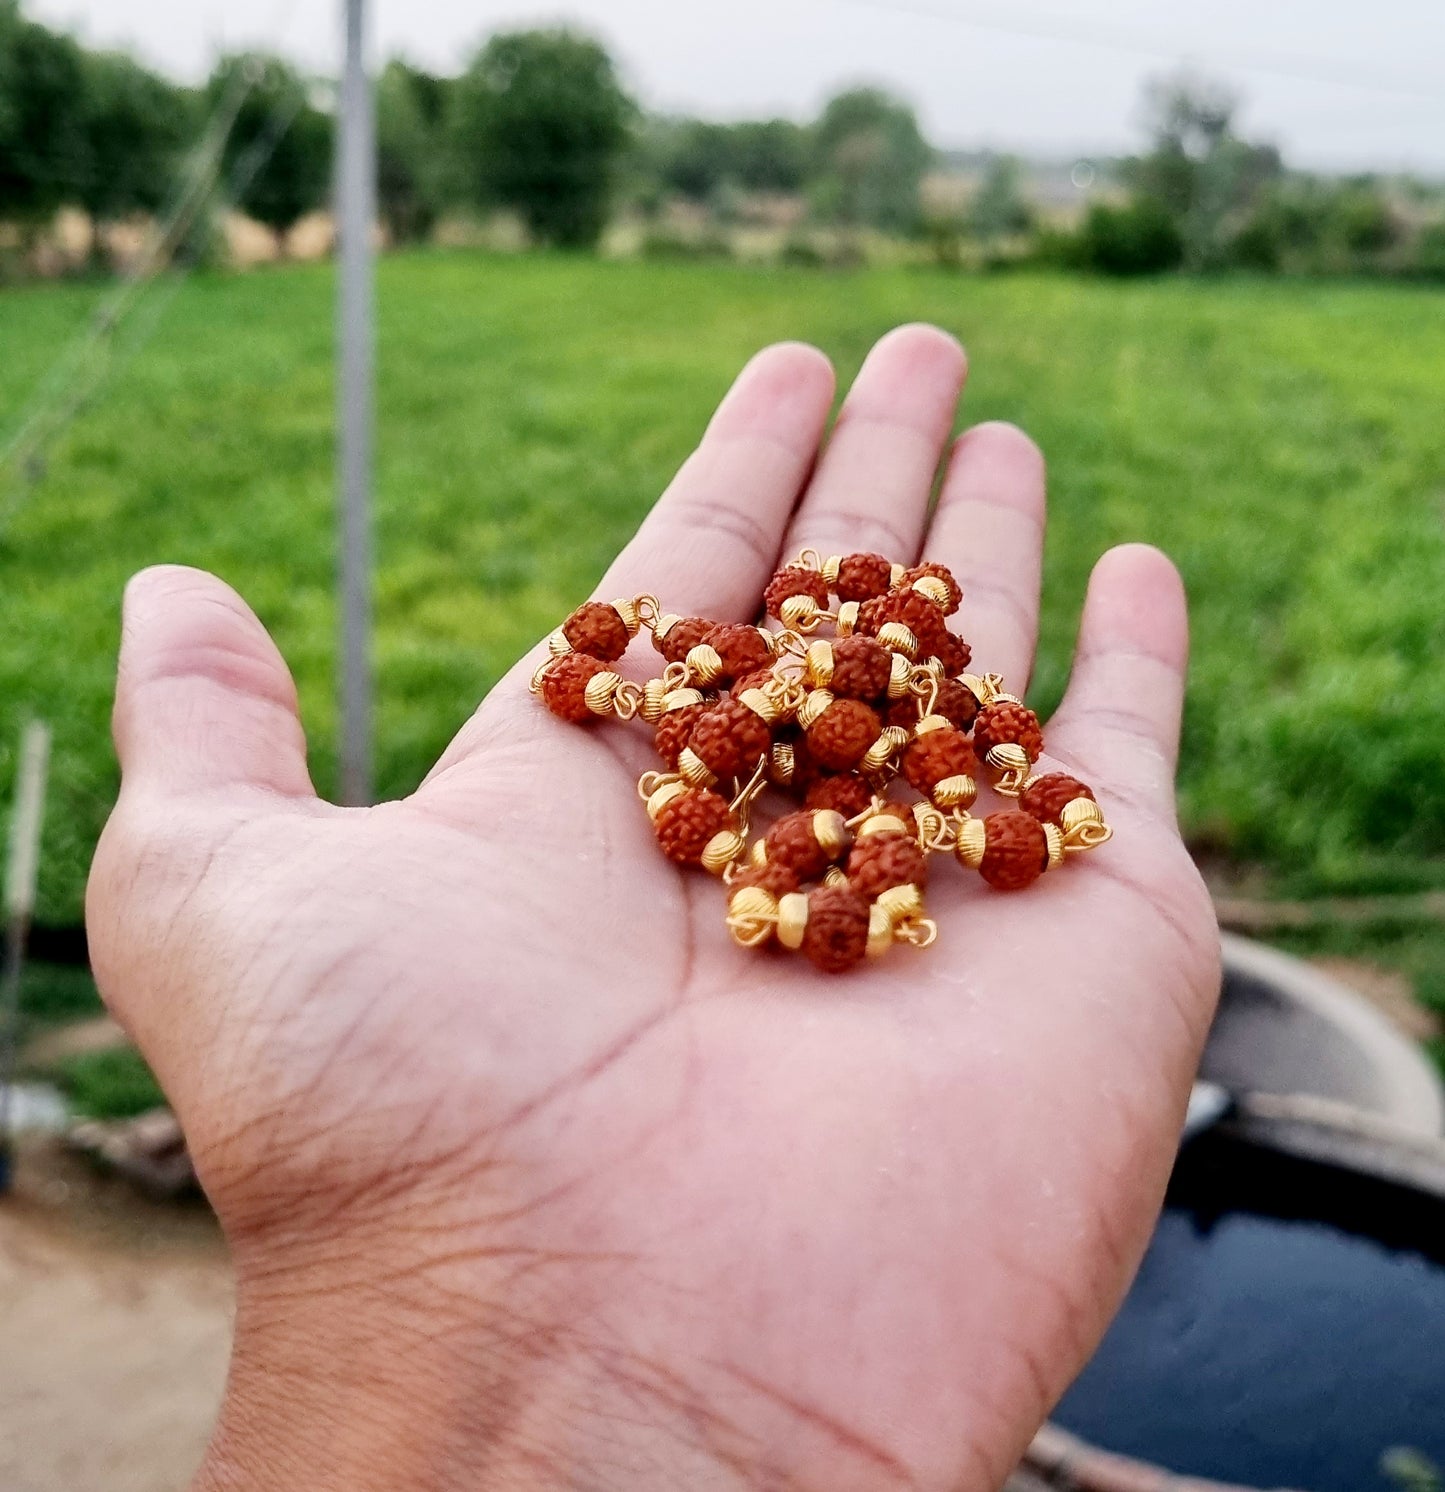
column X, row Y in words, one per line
column 1284, row 441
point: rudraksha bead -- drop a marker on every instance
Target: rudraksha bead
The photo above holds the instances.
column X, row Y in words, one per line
column 863, row 576
column 741, row 648
column 842, row 734
column 808, row 841
column 564, row 686
column 844, row 791
column 794, row 580
column 1046, row 796
column 674, row 731
column 938, row 754
column 686, row 824
column 1004, row 723
column 682, row 637
column 879, row 861
column 1016, row 850
column 597, row 628
column 776, row 877
column 729, row 738
column 953, row 652
column 957, row 703
column 861, row 668
column 836, row 935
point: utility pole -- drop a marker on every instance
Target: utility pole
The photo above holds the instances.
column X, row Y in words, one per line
column 21, row 872
column 356, row 213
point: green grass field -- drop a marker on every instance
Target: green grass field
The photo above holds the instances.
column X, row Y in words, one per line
column 1284, row 441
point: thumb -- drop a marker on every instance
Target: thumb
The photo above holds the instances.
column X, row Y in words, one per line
column 204, row 700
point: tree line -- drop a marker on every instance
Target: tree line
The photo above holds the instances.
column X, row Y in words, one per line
column 539, row 123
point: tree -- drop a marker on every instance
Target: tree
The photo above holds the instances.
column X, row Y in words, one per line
column 411, row 110
column 999, row 208
column 278, row 157
column 542, row 127
column 44, row 160
column 870, row 158
column 136, row 129
column 1198, row 170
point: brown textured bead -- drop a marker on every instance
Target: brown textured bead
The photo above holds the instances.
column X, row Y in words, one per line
column 1046, row 796
column 953, row 652
column 1004, row 722
column 904, row 712
column 682, row 637
column 916, row 612
column 957, row 703
column 1016, row 850
column 730, row 738
column 860, row 668
column 863, row 576
column 943, row 573
column 846, row 792
column 686, row 824
column 596, row 628
column 842, row 734
column 754, row 680
column 564, row 686
column 740, row 647
column 836, row 935
column 674, row 731
column 794, row 580
column 793, row 842
column 879, row 861
column 776, row 876
column 936, row 755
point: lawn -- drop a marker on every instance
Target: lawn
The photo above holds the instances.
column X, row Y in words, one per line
column 1284, row 441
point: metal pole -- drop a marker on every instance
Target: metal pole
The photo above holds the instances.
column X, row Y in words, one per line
column 356, row 212
column 21, row 873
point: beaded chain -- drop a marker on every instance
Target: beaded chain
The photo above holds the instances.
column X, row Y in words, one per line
column 835, row 721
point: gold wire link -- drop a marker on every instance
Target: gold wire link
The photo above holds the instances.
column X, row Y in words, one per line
column 809, row 559
column 1086, row 837
column 648, row 609
column 675, row 676
column 756, row 783
column 920, row 934
column 629, row 699
column 649, row 783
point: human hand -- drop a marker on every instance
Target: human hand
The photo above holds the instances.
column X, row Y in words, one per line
column 531, row 1177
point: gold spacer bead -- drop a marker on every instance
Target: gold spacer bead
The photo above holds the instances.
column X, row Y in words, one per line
column 812, row 708
column 847, row 622
column 895, row 576
column 1008, row 756
column 800, row 612
column 1054, row 836
column 834, row 876
column 627, row 610
column 900, row 677
column 694, row 769
column 679, row 699
column 955, row 792
column 752, row 916
column 880, row 753
column 662, row 797
column 880, row 931
column 792, row 919
column 1080, row 811
column 770, row 640
column 901, row 903
column 654, row 700
column 931, row 588
column 703, row 663
column 558, row 645
column 601, row 692
column 830, row 569
column 819, row 663
column 888, row 820
column 980, row 688
column 830, row 829
column 898, row 638
column 970, row 843
column 762, row 705
column 758, row 855
column 665, row 623
column 931, row 723
column 721, row 850
column 782, row 763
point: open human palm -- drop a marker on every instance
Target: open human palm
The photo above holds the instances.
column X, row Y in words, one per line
column 531, row 1176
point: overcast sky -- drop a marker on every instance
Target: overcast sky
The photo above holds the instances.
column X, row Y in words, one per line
column 1336, row 83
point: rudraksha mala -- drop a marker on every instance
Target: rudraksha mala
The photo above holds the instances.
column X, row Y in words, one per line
column 860, row 686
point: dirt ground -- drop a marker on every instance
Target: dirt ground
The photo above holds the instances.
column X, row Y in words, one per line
column 115, row 1322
